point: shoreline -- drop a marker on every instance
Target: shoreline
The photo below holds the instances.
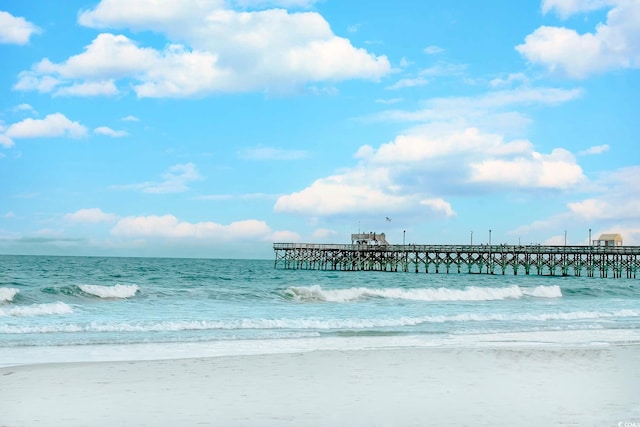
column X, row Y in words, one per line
column 133, row 352
column 491, row 385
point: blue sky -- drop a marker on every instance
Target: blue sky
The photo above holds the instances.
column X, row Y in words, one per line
column 213, row 128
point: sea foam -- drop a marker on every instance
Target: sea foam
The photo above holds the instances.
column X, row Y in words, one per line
column 37, row 309
column 7, row 294
column 115, row 292
column 471, row 293
column 313, row 324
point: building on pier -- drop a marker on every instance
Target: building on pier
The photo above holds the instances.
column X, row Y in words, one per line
column 369, row 239
column 608, row 240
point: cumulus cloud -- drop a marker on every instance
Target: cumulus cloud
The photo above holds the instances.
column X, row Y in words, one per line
column 211, row 49
column 614, row 207
column 168, row 226
column 175, row 180
column 15, row 30
column 92, row 215
column 107, row 131
column 619, row 202
column 613, row 45
column 53, row 125
column 442, row 157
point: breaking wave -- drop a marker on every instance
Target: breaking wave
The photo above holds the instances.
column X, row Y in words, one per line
column 115, row 292
column 37, row 310
column 7, row 294
column 472, row 293
column 308, row 323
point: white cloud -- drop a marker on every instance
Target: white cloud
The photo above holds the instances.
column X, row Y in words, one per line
column 5, row 141
column 15, row 30
column 494, row 111
column 597, row 149
column 92, row 215
column 613, row 208
column 28, row 80
column 53, row 125
column 509, row 80
column 175, row 180
column 168, row 226
column 619, row 200
column 130, row 118
column 444, row 69
column 25, row 107
column 557, row 170
column 104, row 130
column 432, row 50
column 211, row 49
column 285, row 236
column 88, row 89
column 269, row 153
column 566, row 8
column 409, row 82
column 613, row 45
column 324, row 233
column 443, row 157
column 358, row 191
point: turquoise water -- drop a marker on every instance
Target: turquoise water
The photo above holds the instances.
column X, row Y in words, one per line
column 79, row 301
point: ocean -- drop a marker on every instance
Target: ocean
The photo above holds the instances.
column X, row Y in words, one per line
column 56, row 309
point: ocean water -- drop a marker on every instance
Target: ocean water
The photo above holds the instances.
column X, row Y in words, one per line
column 99, row 308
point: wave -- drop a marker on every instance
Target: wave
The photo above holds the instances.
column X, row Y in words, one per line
column 37, row 310
column 311, row 323
column 471, row 293
column 7, row 294
column 115, row 292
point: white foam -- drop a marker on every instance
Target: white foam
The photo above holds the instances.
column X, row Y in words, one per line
column 471, row 293
column 117, row 291
column 7, row 294
column 37, row 310
column 543, row 291
column 312, row 324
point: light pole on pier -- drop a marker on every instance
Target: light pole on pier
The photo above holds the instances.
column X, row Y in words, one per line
column 489, row 237
column 565, row 237
column 404, row 232
column 471, row 238
column 589, row 237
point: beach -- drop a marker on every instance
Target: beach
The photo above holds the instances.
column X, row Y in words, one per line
column 595, row 385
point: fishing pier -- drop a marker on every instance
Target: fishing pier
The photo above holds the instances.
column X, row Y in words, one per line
column 591, row 261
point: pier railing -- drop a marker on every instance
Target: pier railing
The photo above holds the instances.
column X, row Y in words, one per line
column 490, row 259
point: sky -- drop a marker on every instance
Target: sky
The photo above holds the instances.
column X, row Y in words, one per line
column 214, row 128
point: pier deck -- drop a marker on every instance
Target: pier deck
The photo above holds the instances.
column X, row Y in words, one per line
column 617, row 261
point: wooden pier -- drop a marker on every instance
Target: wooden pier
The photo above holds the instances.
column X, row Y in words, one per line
column 616, row 261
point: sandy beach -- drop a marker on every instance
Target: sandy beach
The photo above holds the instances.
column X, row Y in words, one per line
column 525, row 385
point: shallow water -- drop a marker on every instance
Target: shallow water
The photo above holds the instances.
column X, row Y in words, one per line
column 80, row 301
